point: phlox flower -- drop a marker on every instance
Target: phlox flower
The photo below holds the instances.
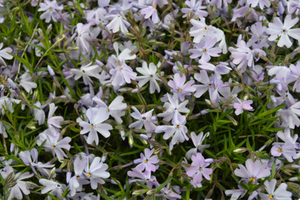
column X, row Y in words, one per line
column 198, row 169
column 27, row 83
column 54, row 144
column 117, row 23
column 142, row 177
column 295, row 76
column 205, row 49
column 87, row 71
column 144, row 119
column 261, row 3
column 170, row 192
column 149, row 74
column 181, row 88
column 20, row 185
column 194, row 7
column 279, row 194
column 51, row 8
column 284, row 31
column 197, row 141
column 95, row 117
column 286, row 149
column 242, row 105
column 253, row 171
column 96, row 171
column 84, row 36
column 147, row 161
column 177, row 130
column 53, row 187
column 172, row 106
column 4, row 54
column 53, row 121
column 115, row 109
column 149, row 11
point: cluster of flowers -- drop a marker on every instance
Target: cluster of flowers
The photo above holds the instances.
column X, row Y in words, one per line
column 117, row 61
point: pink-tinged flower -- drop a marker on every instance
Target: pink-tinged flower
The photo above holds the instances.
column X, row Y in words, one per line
column 279, row 194
column 197, row 141
column 115, row 109
column 205, row 49
column 144, row 119
column 51, row 8
column 284, row 31
column 150, row 11
column 4, row 54
column 181, row 88
column 146, row 161
column 195, row 7
column 172, row 106
column 253, row 171
column 287, row 150
column 198, row 169
column 96, row 171
column 54, row 144
column 95, row 117
column 87, row 71
column 242, row 105
column 149, row 74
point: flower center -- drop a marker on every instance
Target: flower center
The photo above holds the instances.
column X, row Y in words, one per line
column 119, row 62
column 279, row 150
column 154, row 6
column 88, row 175
column 271, row 197
column 50, row 8
column 53, row 147
column 108, row 110
column 200, row 168
column 178, row 126
column 120, row 68
column 146, row 160
column 252, row 179
column 209, row 85
column 243, row 106
column 204, row 50
column 144, row 118
column 77, row 177
column 179, row 90
column 299, row 78
column 206, row 28
column 151, row 76
column 260, row 36
column 92, row 126
column 146, row 180
column 284, row 31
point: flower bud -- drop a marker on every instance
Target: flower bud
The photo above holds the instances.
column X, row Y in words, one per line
column 51, row 72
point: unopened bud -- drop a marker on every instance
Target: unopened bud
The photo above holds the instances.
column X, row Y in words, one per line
column 150, row 192
column 50, row 70
column 139, row 192
column 240, row 150
column 12, row 84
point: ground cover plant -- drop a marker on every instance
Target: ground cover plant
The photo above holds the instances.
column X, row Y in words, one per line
column 149, row 99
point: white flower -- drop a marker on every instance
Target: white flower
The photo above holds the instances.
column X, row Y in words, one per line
column 4, row 54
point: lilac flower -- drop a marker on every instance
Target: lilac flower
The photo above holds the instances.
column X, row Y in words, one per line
column 149, row 74
column 20, row 185
column 87, row 71
column 236, row 194
column 146, row 161
column 194, row 7
column 53, row 121
column 205, row 49
column 144, row 119
column 281, row 72
column 122, row 74
column 283, row 30
column 278, row 194
column 172, row 106
column 179, row 86
column 295, row 76
column 39, row 114
column 4, row 54
column 96, row 172
column 54, row 144
column 198, row 169
column 51, row 9
column 115, row 109
column 253, row 171
column 197, row 141
column 242, row 105
column 95, row 117
column 168, row 193
column 53, row 187
column 142, row 177
column 150, row 11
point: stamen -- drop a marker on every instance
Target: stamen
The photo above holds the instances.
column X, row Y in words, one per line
column 92, row 126
column 50, row 8
column 279, row 150
column 119, row 62
column 53, row 147
column 178, row 126
column 88, row 175
column 252, row 179
column 271, row 197
column 179, row 90
column 120, row 68
column 200, row 168
column 146, row 160
column 204, row 50
column 154, row 6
